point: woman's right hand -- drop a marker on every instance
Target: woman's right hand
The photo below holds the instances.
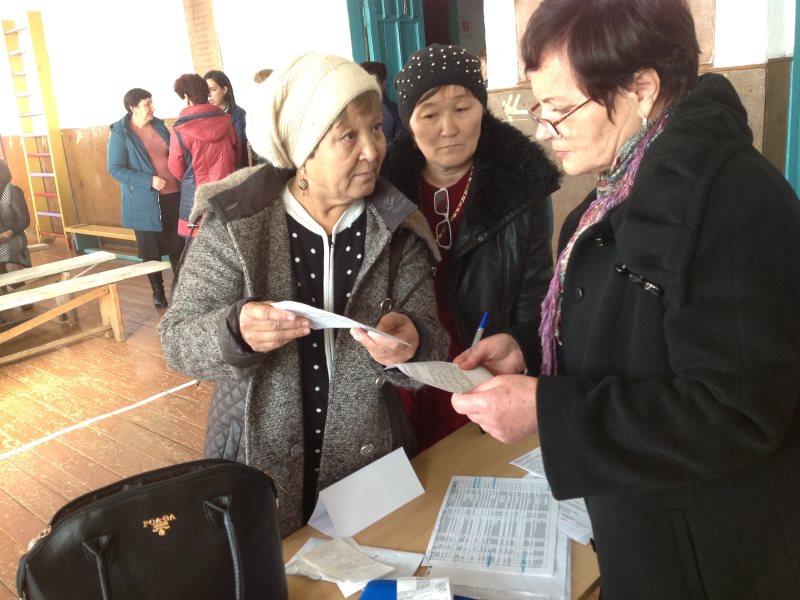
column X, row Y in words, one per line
column 159, row 183
column 499, row 353
column 264, row 327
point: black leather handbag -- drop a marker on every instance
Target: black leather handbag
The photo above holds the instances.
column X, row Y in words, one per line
column 202, row 530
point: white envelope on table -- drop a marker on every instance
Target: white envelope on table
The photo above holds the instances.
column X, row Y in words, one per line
column 357, row 501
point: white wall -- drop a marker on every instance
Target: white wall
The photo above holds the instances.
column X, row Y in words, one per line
column 471, row 12
column 746, row 32
column 255, row 35
column 752, row 32
column 99, row 49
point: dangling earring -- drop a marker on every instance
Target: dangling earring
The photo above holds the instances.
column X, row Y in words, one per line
column 303, row 183
column 645, row 123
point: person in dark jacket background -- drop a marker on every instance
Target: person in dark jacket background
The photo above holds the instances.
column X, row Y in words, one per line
column 390, row 124
column 137, row 157
column 14, row 219
column 203, row 147
column 494, row 222
column 220, row 93
column 671, row 333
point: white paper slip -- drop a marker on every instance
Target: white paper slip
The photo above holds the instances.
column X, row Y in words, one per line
column 404, row 564
column 444, row 375
column 573, row 518
column 339, row 560
column 357, row 501
column 574, row 521
column 322, row 319
column 421, row 588
column 531, row 462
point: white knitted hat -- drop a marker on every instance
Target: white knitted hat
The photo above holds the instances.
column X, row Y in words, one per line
column 298, row 103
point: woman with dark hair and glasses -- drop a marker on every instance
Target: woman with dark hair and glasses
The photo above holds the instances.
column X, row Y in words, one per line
column 484, row 188
column 669, row 386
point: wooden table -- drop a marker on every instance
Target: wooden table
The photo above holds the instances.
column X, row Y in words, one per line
column 464, row 452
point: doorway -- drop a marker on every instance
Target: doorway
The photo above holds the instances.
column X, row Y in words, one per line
column 389, row 31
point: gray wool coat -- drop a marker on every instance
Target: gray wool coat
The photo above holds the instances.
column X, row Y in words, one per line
column 256, row 416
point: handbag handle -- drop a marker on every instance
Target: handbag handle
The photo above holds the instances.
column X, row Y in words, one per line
column 98, row 549
column 220, row 506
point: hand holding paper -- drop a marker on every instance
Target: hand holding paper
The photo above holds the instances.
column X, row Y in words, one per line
column 266, row 327
column 384, row 350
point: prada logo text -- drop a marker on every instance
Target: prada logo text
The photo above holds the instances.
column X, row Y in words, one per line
column 159, row 525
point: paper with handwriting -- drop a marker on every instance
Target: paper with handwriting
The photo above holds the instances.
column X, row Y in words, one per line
column 444, row 375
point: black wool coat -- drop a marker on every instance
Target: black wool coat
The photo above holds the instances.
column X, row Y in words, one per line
column 675, row 411
column 501, row 260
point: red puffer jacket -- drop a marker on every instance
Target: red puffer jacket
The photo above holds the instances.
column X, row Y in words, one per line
column 203, row 148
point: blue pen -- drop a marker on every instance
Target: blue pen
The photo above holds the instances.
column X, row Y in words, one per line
column 481, row 329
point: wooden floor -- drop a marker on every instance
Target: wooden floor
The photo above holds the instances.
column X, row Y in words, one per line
column 46, row 394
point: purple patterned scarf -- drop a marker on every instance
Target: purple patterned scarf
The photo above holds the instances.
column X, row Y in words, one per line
column 612, row 189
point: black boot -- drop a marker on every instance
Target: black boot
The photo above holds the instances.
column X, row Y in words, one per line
column 157, row 285
column 159, row 297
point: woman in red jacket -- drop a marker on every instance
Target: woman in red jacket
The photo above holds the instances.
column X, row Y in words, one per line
column 203, row 146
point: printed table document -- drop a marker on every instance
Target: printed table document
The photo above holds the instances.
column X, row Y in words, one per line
column 505, row 525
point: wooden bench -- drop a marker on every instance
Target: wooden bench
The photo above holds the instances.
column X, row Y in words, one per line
column 89, row 238
column 51, row 272
column 97, row 286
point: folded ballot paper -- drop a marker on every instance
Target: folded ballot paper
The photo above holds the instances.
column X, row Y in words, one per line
column 349, row 565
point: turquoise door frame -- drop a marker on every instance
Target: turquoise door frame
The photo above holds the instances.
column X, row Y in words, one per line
column 792, row 169
column 388, row 31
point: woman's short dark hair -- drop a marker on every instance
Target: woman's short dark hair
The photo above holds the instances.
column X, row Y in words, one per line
column 193, row 86
column 134, row 96
column 222, row 81
column 608, row 41
column 376, row 69
column 5, row 174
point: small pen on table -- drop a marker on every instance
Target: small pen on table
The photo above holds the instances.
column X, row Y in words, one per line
column 481, row 329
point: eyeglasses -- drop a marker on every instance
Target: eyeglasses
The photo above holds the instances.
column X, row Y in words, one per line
column 441, row 206
column 550, row 126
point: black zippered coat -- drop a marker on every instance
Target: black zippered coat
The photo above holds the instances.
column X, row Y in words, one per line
column 501, row 259
column 675, row 411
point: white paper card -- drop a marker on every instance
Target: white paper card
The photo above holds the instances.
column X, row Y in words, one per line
column 322, row 319
column 444, row 375
column 357, row 501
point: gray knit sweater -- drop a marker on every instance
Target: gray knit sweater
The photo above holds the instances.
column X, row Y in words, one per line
column 242, row 251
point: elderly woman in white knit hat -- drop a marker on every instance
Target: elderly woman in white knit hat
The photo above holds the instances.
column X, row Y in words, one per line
column 319, row 226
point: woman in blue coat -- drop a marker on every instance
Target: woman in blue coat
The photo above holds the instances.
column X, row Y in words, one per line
column 137, row 158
